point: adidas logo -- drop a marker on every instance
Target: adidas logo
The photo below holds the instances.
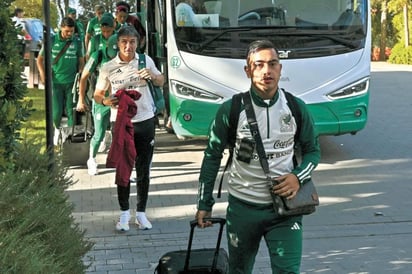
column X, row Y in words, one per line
column 118, row 71
column 295, row 226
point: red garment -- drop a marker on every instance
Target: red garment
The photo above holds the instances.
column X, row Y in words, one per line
column 135, row 22
column 122, row 154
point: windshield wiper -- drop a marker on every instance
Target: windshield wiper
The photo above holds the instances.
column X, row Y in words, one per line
column 342, row 41
column 337, row 36
column 214, row 38
column 325, row 35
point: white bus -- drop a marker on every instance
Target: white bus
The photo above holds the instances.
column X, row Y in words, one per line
column 324, row 47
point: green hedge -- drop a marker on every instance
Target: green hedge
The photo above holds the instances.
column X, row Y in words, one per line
column 401, row 55
column 38, row 232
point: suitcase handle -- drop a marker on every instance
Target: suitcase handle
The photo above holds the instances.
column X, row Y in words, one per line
column 193, row 224
column 75, row 92
column 222, row 221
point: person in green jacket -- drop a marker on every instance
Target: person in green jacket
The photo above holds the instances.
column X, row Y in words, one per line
column 250, row 213
column 79, row 28
column 98, row 41
column 93, row 26
column 67, row 60
column 98, row 55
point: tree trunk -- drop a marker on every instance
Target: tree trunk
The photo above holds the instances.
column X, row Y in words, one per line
column 60, row 9
column 406, row 24
column 384, row 8
column 66, row 6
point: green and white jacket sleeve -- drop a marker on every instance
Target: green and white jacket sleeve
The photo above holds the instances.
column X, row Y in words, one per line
column 309, row 145
column 212, row 157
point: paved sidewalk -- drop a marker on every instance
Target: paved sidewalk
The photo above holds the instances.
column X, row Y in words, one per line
column 171, row 206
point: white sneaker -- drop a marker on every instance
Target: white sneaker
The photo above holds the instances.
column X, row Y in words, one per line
column 57, row 136
column 92, row 167
column 65, row 134
column 142, row 221
column 123, row 223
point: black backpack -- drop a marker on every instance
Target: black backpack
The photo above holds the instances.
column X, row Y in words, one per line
column 234, row 119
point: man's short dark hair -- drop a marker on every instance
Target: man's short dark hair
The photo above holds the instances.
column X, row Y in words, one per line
column 259, row 45
column 67, row 22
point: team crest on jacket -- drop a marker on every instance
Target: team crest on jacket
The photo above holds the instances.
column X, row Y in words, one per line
column 286, row 123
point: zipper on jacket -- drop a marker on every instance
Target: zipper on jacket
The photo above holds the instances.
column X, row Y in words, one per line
column 267, row 122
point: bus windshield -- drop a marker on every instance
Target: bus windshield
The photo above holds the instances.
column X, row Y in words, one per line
column 299, row 29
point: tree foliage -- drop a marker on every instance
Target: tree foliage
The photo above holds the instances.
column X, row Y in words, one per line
column 13, row 110
column 391, row 38
column 34, row 9
column 38, row 232
column 396, row 6
column 394, row 31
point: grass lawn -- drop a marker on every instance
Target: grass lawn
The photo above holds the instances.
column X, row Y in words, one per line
column 35, row 127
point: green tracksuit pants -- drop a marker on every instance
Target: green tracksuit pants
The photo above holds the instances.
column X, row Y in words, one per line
column 62, row 100
column 101, row 119
column 248, row 223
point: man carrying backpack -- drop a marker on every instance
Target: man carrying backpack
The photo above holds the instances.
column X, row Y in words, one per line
column 250, row 212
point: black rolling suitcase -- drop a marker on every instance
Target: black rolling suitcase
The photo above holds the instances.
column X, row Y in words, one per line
column 206, row 260
column 75, row 148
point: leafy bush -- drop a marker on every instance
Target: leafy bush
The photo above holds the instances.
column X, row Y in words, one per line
column 38, row 232
column 401, row 55
column 12, row 89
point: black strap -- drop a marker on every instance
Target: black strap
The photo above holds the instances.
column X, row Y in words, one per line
column 62, row 51
column 254, row 130
column 231, row 136
column 294, row 107
column 233, row 120
column 296, row 112
column 150, row 85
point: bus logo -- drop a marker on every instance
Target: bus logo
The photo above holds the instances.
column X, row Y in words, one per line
column 175, row 62
column 284, row 53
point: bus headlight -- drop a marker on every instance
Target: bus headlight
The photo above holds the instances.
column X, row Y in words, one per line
column 354, row 89
column 190, row 92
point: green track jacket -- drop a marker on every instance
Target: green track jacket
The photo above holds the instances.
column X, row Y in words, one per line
column 277, row 127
